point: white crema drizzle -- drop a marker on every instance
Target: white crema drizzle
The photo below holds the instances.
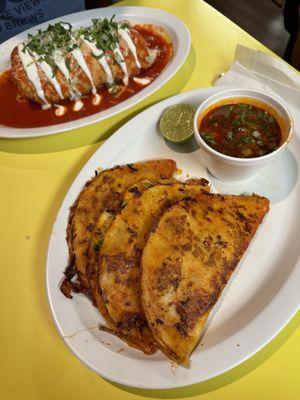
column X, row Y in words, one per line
column 124, row 33
column 120, row 60
column 78, row 56
column 78, row 105
column 32, row 72
column 97, row 99
column 60, row 110
column 61, row 64
column 99, row 54
column 49, row 74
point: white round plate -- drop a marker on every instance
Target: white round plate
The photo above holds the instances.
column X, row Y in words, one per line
column 181, row 43
column 261, row 297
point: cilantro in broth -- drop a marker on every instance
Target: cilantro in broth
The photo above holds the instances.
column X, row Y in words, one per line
column 241, row 130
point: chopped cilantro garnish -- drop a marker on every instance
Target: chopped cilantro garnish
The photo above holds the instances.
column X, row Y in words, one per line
column 68, row 64
column 246, row 139
column 236, row 121
column 229, row 136
column 104, row 32
column 209, row 139
column 124, row 25
column 98, row 57
column 56, row 37
column 260, row 114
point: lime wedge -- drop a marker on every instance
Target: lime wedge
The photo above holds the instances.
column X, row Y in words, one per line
column 176, row 123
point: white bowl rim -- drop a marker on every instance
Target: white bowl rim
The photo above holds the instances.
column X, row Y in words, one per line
column 247, row 93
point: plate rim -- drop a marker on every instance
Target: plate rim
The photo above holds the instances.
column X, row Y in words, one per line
column 272, row 329
column 160, row 17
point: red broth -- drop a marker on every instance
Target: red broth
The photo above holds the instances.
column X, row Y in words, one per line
column 27, row 114
column 241, row 130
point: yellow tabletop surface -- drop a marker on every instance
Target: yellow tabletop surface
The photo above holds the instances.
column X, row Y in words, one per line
column 35, row 175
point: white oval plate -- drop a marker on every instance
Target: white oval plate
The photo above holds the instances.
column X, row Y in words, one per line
column 261, row 297
column 181, row 43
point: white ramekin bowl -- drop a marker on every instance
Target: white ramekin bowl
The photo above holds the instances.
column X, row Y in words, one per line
column 228, row 168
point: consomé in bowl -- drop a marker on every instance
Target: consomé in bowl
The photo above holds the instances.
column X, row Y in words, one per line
column 241, row 130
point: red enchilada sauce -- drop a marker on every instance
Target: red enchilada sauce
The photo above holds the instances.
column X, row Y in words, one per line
column 27, row 114
column 241, row 130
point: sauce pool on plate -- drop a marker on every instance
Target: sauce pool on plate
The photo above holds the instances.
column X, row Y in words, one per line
column 241, row 130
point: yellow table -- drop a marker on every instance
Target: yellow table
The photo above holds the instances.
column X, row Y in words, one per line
column 35, row 175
